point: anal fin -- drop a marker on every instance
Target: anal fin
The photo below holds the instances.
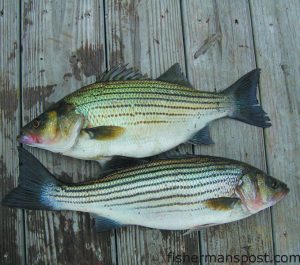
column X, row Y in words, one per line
column 202, row 137
column 197, row 228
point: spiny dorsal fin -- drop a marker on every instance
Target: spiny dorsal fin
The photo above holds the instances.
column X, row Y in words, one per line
column 174, row 75
column 121, row 72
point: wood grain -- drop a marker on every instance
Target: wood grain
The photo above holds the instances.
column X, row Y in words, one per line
column 67, row 43
column 63, row 49
column 148, row 35
column 277, row 37
column 11, row 220
column 219, row 34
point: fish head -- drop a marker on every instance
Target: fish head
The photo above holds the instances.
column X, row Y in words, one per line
column 259, row 191
column 55, row 130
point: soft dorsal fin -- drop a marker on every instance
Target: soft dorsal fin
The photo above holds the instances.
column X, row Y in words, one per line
column 174, row 75
column 121, row 72
column 104, row 224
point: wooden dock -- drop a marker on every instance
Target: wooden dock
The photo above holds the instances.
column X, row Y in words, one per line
column 49, row 48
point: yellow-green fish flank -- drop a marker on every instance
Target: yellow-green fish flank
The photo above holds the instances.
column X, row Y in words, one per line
column 125, row 114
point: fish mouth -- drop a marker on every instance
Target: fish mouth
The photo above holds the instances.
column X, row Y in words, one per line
column 25, row 139
column 283, row 193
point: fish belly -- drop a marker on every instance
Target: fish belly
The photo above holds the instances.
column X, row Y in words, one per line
column 141, row 140
column 171, row 219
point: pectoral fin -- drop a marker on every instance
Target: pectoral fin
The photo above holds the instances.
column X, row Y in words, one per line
column 221, row 204
column 104, row 133
column 104, row 224
column 202, row 137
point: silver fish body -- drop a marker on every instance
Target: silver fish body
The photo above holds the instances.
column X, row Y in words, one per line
column 175, row 194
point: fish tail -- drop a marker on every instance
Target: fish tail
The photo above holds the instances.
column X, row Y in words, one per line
column 246, row 107
column 35, row 185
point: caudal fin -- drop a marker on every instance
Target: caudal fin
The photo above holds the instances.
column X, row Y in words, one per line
column 246, row 107
column 35, row 185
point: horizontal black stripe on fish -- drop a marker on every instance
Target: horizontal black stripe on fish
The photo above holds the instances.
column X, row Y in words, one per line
column 160, row 166
column 145, row 85
column 99, row 191
column 132, row 114
column 177, row 107
column 144, row 188
column 212, row 188
column 119, row 179
column 88, row 200
column 195, row 96
column 141, row 173
column 199, row 104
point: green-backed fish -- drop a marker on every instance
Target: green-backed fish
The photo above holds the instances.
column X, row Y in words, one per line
column 127, row 115
column 174, row 193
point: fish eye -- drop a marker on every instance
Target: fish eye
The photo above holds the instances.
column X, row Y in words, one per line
column 274, row 185
column 36, row 123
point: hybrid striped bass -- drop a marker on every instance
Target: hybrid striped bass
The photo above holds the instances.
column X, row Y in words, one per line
column 174, row 194
column 128, row 115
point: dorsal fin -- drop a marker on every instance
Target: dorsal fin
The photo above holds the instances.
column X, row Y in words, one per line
column 175, row 75
column 121, row 72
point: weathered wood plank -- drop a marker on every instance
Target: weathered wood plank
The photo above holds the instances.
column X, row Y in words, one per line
column 277, row 37
column 63, row 49
column 148, row 36
column 220, row 49
column 11, row 226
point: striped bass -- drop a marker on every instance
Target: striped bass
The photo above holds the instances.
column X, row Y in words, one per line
column 174, row 194
column 128, row 115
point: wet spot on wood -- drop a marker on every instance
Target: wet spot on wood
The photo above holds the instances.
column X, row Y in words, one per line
column 116, row 56
column 28, row 6
column 209, row 42
column 37, row 95
column 9, row 99
column 87, row 60
column 12, row 55
column 67, row 76
column 243, row 46
column 165, row 13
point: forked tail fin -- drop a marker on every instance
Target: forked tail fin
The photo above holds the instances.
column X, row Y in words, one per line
column 246, row 107
column 35, row 185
